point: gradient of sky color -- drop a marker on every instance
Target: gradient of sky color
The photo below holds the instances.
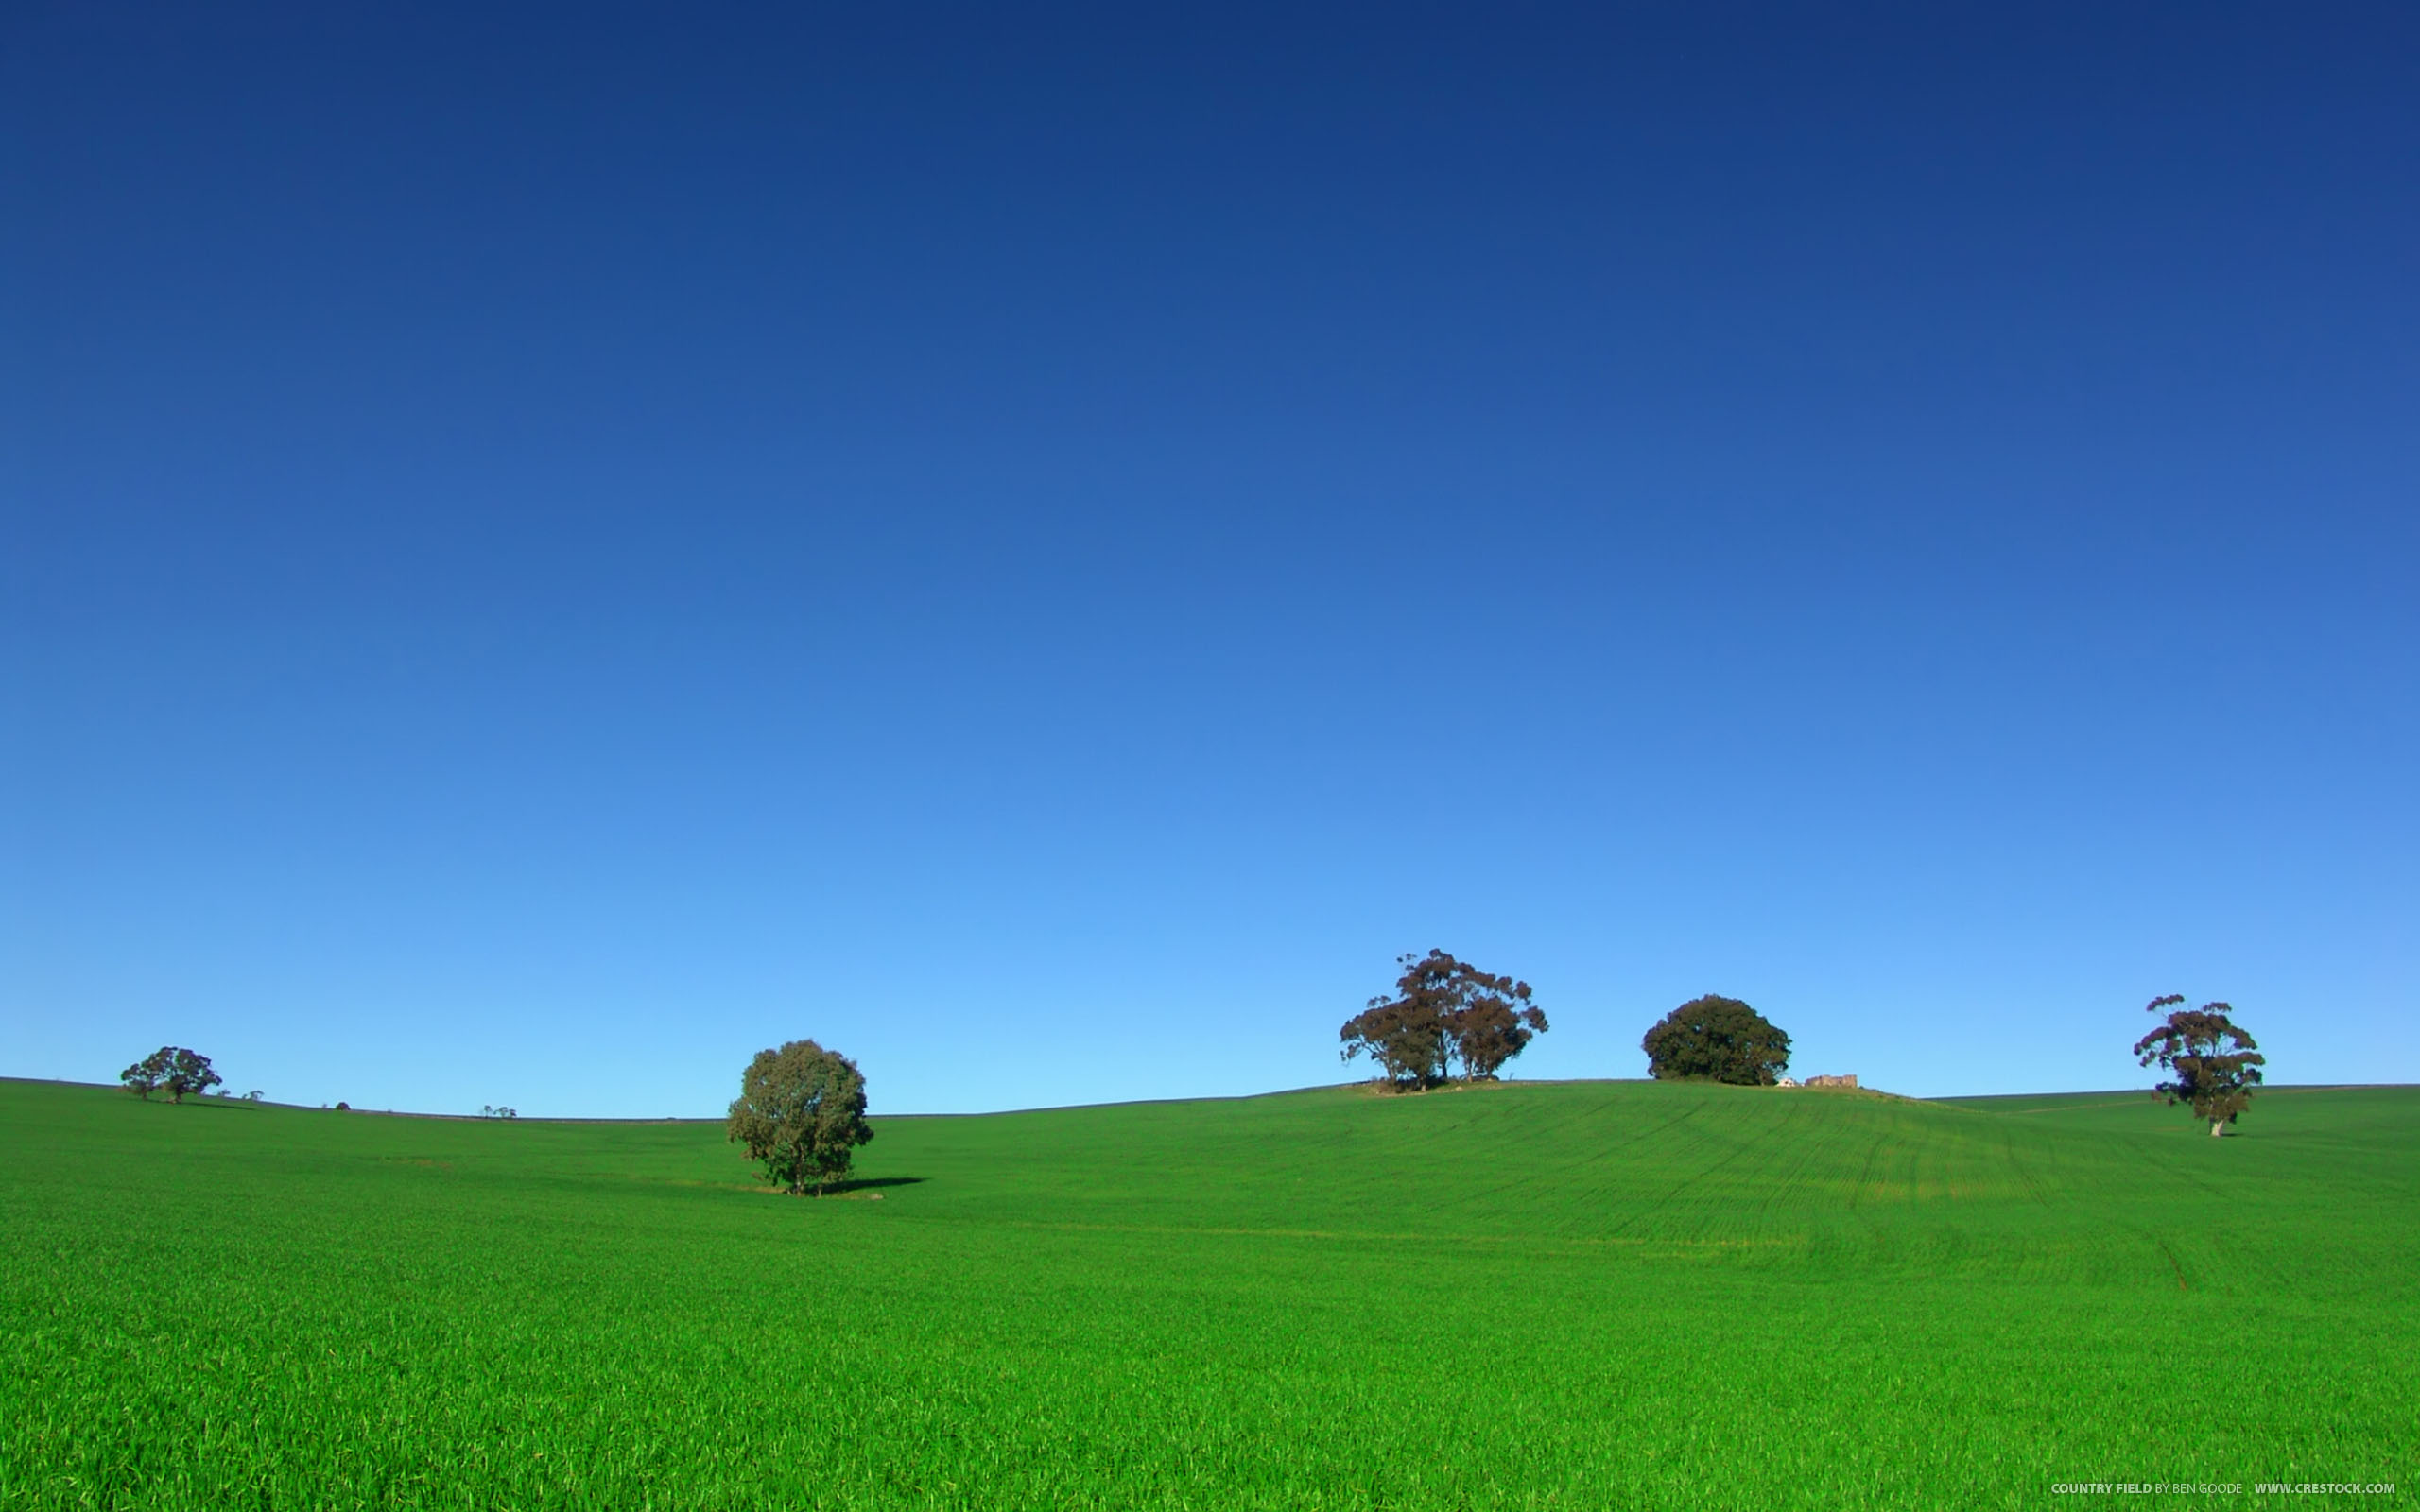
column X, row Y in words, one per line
column 544, row 549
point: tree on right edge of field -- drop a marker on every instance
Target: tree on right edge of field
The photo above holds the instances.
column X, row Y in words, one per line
column 1715, row 1039
column 2211, row 1064
column 800, row 1113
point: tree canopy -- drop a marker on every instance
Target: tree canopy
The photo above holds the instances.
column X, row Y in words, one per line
column 173, row 1069
column 2211, row 1064
column 1444, row 1012
column 144, row 1077
column 1717, row 1038
column 802, row 1114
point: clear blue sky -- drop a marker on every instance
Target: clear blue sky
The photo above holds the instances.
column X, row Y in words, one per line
column 546, row 550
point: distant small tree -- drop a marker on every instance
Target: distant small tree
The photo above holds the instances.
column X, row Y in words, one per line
column 800, row 1113
column 1443, row 1011
column 2211, row 1064
column 144, row 1076
column 1715, row 1039
column 173, row 1069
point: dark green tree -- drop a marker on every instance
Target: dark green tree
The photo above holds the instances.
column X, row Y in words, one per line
column 2211, row 1064
column 800, row 1113
column 144, row 1076
column 189, row 1074
column 1715, row 1039
column 1443, row 1011
column 172, row 1068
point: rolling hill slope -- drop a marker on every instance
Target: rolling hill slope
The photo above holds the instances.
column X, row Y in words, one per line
column 1572, row 1295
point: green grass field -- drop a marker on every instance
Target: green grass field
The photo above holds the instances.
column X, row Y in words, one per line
column 1591, row 1295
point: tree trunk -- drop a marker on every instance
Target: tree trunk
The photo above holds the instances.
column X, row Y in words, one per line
column 2218, row 1126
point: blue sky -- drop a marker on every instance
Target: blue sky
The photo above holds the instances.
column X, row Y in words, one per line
column 546, row 550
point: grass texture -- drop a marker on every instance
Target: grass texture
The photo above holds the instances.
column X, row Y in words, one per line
column 1582, row 1296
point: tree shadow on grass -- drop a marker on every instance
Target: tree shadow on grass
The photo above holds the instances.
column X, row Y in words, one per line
column 870, row 1183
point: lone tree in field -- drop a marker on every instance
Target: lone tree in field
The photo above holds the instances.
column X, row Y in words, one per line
column 2211, row 1064
column 1715, row 1039
column 800, row 1113
column 1443, row 1011
column 178, row 1072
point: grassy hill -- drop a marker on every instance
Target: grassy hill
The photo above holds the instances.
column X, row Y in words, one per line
column 1577, row 1294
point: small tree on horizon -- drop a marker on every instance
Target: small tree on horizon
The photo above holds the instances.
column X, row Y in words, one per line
column 1717, row 1038
column 2212, row 1065
column 802, row 1114
column 174, row 1069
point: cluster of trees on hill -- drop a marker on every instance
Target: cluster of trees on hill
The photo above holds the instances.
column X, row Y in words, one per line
column 1446, row 1013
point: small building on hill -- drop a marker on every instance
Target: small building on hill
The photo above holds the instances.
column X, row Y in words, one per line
column 1786, row 1081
